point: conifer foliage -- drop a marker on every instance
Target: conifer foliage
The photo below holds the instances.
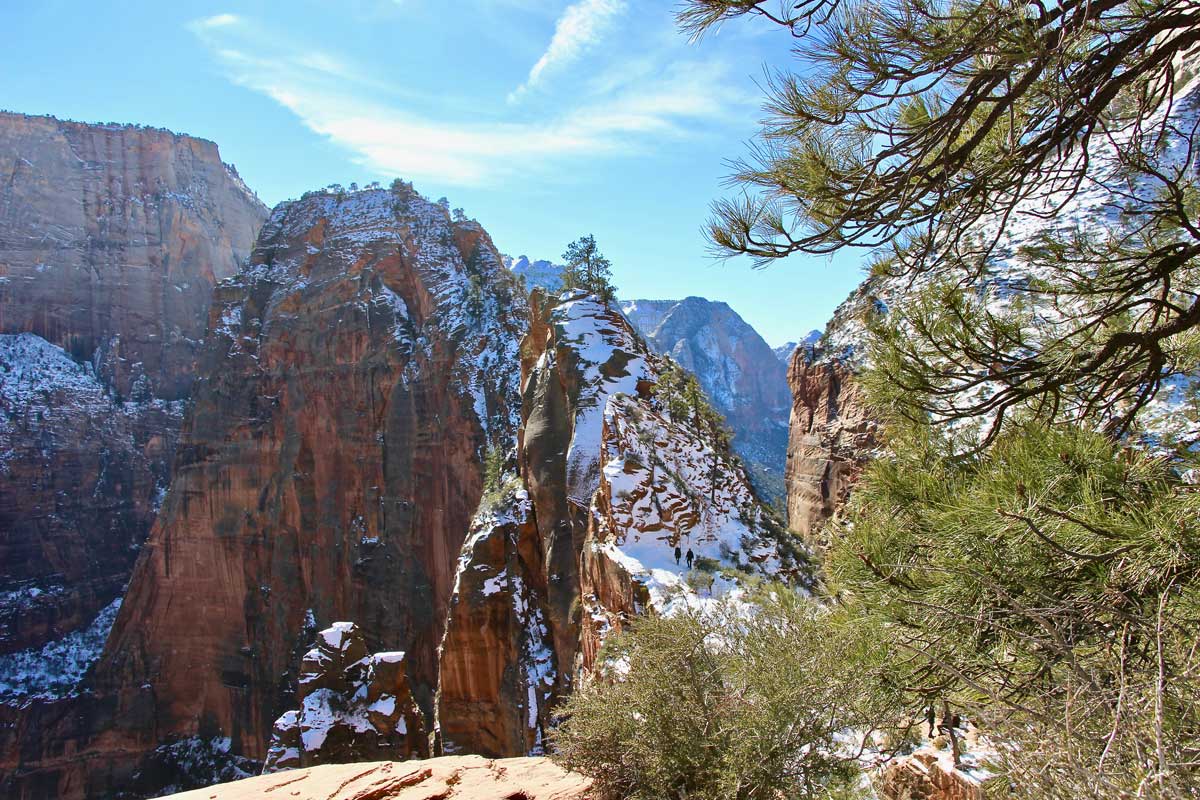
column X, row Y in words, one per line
column 1048, row 592
column 1025, row 174
column 588, row 269
column 928, row 131
column 715, row 705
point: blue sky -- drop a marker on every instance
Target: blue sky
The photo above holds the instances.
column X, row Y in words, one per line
column 544, row 119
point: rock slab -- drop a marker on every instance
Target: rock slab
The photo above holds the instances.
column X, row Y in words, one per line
column 459, row 777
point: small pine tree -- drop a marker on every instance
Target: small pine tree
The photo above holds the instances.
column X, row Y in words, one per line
column 587, row 268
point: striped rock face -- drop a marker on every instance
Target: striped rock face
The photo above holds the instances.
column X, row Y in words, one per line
column 354, row 377
column 111, row 240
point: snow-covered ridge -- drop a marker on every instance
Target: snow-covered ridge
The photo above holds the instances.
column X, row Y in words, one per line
column 37, row 378
column 810, row 341
column 611, row 360
column 473, row 296
column 666, row 486
column 653, row 483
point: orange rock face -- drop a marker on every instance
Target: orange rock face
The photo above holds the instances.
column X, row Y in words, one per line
column 922, row 777
column 111, row 239
column 331, row 463
column 832, row 438
column 497, row 662
column 353, row 378
column 461, row 777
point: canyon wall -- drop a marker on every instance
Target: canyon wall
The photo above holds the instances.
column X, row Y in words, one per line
column 111, row 240
column 582, row 533
column 831, row 439
column 353, row 379
column 743, row 377
column 365, row 427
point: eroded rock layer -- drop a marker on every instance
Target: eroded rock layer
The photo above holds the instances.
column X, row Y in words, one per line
column 498, row 672
column 111, row 239
column 354, row 379
column 371, row 445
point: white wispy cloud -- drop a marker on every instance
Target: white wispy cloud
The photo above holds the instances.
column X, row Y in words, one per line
column 579, row 28
column 215, row 21
column 343, row 103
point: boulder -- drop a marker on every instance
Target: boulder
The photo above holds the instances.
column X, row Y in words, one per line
column 354, row 706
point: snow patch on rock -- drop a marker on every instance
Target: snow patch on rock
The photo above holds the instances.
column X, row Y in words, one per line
column 57, row 669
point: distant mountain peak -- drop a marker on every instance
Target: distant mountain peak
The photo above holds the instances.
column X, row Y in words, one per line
column 738, row 371
column 785, row 350
column 545, row 274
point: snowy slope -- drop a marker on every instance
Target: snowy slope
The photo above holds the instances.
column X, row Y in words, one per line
column 738, row 371
column 655, row 483
column 64, row 437
column 57, row 669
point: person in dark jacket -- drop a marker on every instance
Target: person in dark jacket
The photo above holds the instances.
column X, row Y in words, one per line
column 690, row 557
column 678, row 553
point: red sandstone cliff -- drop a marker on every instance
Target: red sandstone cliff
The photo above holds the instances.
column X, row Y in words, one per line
column 582, row 534
column 330, row 466
column 832, row 437
column 353, row 378
column 111, row 239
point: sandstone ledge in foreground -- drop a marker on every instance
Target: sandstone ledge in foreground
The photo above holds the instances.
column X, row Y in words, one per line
column 459, row 777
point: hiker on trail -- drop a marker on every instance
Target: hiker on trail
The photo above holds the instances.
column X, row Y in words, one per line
column 678, row 553
column 690, row 557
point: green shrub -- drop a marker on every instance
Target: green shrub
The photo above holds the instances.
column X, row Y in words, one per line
column 720, row 704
